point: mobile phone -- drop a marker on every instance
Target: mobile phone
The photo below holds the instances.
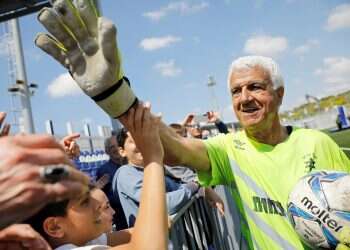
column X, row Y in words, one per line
column 203, row 118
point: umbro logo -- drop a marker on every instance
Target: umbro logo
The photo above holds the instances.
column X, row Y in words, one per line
column 239, row 144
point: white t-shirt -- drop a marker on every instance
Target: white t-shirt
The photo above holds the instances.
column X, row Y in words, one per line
column 99, row 243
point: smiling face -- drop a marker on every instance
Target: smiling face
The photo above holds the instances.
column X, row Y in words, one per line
column 105, row 209
column 81, row 223
column 254, row 99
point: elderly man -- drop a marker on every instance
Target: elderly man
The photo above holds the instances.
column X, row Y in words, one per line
column 260, row 164
column 263, row 162
column 115, row 160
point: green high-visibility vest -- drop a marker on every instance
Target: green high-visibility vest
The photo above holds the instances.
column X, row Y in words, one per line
column 261, row 177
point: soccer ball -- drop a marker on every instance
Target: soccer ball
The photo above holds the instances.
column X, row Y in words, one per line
column 319, row 208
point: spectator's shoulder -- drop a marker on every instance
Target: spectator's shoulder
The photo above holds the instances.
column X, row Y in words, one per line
column 312, row 135
column 102, row 169
column 125, row 169
column 122, row 175
column 104, row 166
column 128, row 179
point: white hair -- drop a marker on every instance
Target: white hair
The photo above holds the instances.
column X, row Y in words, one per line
column 266, row 63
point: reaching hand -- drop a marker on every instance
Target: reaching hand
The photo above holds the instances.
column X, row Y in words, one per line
column 144, row 129
column 214, row 200
column 70, row 146
column 22, row 236
column 86, row 45
column 188, row 121
column 100, row 183
column 212, row 116
column 6, row 129
column 23, row 191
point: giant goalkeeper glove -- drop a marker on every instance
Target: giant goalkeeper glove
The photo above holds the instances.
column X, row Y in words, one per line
column 85, row 44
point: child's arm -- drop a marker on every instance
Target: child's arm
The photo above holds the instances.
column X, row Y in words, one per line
column 151, row 227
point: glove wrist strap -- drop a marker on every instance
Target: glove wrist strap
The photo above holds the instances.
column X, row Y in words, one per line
column 110, row 91
column 117, row 99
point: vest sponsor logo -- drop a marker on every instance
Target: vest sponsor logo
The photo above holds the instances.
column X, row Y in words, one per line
column 321, row 214
column 268, row 206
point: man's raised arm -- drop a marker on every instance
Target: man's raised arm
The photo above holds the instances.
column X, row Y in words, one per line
column 85, row 44
column 180, row 151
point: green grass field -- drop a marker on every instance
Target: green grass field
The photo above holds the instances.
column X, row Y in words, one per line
column 342, row 138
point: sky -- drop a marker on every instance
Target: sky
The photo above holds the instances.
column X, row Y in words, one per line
column 170, row 48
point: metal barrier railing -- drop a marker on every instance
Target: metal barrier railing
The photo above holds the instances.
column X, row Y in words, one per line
column 199, row 226
column 230, row 226
column 195, row 227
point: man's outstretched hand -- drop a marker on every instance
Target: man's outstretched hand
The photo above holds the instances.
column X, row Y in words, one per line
column 22, row 236
column 70, row 146
column 85, row 44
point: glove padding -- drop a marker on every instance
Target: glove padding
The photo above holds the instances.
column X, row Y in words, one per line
column 85, row 44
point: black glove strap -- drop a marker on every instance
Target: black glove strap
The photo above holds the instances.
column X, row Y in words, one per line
column 110, row 91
